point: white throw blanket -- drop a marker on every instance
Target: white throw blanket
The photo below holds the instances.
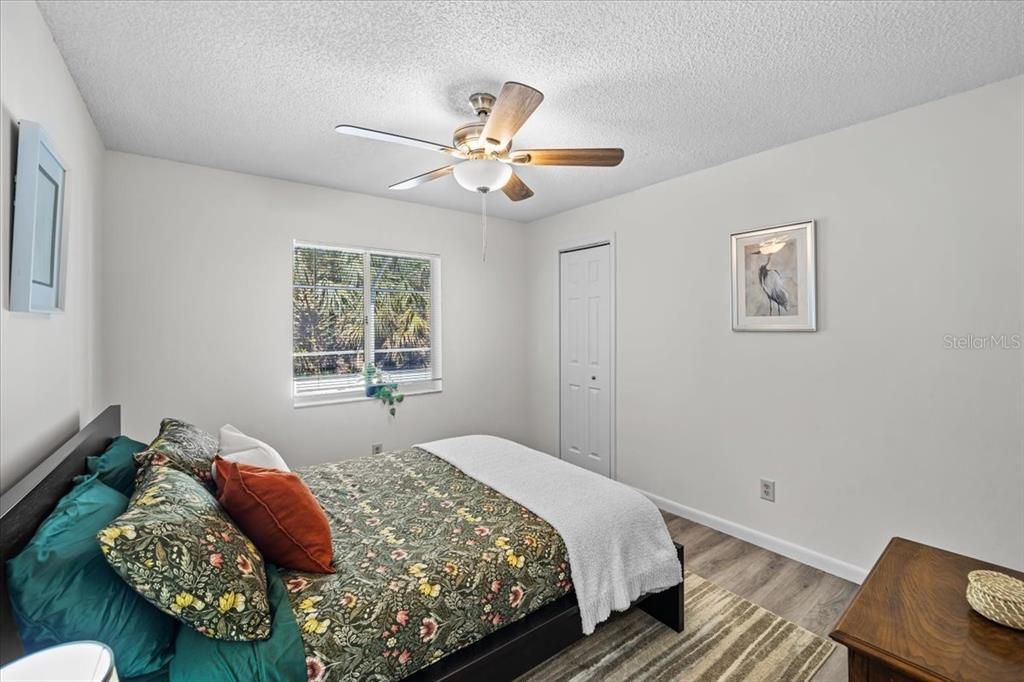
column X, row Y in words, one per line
column 618, row 545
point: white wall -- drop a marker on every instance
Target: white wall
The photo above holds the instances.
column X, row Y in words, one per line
column 49, row 364
column 197, row 302
column 871, row 427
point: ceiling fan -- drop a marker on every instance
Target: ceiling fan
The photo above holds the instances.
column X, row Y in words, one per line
column 484, row 147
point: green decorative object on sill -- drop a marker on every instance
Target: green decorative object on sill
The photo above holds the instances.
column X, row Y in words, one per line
column 378, row 386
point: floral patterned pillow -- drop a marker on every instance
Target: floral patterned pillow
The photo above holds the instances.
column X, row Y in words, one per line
column 182, row 446
column 176, row 547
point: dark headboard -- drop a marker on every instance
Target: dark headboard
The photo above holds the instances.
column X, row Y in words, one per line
column 29, row 501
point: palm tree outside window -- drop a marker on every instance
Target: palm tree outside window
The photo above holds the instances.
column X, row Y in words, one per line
column 351, row 307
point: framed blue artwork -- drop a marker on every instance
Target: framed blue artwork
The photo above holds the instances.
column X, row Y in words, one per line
column 38, row 229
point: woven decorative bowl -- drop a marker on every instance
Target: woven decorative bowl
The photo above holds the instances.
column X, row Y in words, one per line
column 997, row 596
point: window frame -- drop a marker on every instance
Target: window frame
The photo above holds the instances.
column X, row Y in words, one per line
column 357, row 391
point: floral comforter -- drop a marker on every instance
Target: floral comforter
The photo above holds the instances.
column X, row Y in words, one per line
column 428, row 561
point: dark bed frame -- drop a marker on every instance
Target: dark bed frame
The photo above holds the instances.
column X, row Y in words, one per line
column 502, row 655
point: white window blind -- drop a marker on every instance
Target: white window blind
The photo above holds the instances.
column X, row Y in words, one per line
column 351, row 307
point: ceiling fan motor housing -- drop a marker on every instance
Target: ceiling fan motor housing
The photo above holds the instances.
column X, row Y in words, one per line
column 468, row 140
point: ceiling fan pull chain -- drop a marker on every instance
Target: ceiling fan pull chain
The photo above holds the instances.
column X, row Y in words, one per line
column 483, row 215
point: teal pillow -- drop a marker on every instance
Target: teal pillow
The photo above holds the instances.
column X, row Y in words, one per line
column 116, row 466
column 279, row 658
column 62, row 589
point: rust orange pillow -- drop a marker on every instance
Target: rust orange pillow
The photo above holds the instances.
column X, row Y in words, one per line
column 278, row 513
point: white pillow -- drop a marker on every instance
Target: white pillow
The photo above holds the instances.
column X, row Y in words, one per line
column 237, row 447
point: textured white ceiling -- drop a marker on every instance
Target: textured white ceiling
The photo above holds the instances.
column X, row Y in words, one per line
column 258, row 86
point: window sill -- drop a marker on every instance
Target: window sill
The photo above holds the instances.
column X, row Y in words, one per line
column 359, row 396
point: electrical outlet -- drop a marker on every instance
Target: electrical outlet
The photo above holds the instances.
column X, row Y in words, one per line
column 767, row 490
column 376, row 448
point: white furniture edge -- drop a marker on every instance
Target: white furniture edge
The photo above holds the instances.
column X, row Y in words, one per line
column 823, row 562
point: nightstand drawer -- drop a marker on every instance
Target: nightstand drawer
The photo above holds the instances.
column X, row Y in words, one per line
column 865, row 669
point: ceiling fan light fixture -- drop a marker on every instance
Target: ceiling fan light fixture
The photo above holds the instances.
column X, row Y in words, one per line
column 482, row 175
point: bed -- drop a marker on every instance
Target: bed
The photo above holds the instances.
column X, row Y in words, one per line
column 534, row 612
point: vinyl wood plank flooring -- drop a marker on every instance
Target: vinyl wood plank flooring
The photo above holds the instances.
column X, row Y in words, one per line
column 806, row 596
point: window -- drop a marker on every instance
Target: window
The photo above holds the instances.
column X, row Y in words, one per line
column 351, row 307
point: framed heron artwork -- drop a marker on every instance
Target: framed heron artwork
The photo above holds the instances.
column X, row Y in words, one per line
column 774, row 279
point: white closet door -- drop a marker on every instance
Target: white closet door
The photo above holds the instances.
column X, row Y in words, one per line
column 585, row 358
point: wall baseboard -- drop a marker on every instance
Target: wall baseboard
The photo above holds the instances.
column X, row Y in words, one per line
column 836, row 567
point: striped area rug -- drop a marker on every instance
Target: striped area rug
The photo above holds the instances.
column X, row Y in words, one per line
column 727, row 639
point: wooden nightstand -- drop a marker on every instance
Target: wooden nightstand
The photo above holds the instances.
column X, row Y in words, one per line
column 910, row 620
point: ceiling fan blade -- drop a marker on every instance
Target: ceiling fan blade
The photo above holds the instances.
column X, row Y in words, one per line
column 608, row 156
column 514, row 105
column 392, row 137
column 423, row 178
column 516, row 190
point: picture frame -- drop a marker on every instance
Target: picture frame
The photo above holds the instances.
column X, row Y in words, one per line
column 774, row 278
column 37, row 239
